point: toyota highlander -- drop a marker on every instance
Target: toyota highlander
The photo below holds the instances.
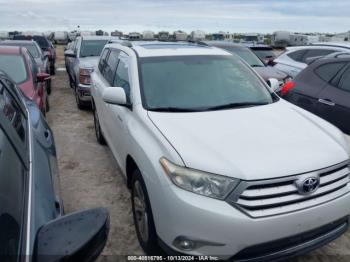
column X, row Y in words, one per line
column 216, row 162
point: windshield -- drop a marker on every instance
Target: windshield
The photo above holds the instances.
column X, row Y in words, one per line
column 246, row 55
column 199, row 83
column 92, row 47
column 14, row 67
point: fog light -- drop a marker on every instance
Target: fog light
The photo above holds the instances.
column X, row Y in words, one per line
column 184, row 243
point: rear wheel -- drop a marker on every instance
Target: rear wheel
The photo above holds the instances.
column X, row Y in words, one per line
column 99, row 136
column 143, row 217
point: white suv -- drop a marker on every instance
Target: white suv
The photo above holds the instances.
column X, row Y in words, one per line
column 217, row 163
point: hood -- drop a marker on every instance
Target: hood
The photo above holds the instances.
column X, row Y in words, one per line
column 259, row 142
column 27, row 88
column 88, row 62
column 270, row 72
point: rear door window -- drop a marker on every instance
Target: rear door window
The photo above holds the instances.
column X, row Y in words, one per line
column 327, row 71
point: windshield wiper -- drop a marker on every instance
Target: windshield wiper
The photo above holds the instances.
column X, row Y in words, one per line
column 256, row 65
column 237, row 105
column 172, row 109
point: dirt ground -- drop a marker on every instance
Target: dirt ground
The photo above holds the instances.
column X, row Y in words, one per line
column 90, row 177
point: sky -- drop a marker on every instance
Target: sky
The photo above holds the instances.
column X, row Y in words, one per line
column 264, row 16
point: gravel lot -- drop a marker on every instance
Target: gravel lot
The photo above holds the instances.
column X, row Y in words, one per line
column 90, row 177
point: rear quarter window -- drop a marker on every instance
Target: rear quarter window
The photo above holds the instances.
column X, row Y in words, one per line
column 296, row 55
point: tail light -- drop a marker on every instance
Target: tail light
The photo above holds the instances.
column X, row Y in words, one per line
column 84, row 76
column 287, row 87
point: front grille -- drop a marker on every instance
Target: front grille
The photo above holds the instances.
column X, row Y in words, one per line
column 277, row 196
column 293, row 245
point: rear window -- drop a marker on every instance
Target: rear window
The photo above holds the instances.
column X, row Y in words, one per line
column 42, row 42
column 14, row 67
column 327, row 71
column 33, row 50
column 92, row 47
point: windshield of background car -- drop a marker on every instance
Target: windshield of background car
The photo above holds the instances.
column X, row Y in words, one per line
column 42, row 41
column 92, row 47
column 246, row 55
column 14, row 67
column 199, row 82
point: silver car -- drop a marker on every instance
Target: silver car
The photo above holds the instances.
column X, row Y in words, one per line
column 294, row 59
column 81, row 58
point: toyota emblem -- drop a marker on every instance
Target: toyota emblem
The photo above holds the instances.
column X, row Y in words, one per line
column 308, row 185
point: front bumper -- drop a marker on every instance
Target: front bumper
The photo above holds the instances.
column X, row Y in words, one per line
column 178, row 212
column 84, row 92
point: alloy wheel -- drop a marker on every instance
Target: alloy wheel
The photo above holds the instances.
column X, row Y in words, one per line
column 141, row 214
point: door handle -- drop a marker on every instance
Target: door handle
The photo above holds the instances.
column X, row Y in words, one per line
column 327, row 102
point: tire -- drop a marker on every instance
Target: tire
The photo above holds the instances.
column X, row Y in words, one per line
column 47, row 104
column 80, row 104
column 143, row 216
column 52, row 69
column 98, row 132
column 48, row 86
column 71, row 82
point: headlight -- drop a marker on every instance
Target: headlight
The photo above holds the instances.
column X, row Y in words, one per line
column 84, row 75
column 199, row 182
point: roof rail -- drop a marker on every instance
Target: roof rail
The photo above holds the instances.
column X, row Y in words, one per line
column 198, row 43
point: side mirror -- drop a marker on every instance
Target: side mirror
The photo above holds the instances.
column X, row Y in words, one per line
column 274, row 84
column 115, row 96
column 41, row 77
column 69, row 53
column 79, row 236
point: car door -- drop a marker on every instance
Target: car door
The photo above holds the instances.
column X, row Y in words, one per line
column 334, row 101
column 107, row 68
column 118, row 116
column 14, row 170
column 291, row 62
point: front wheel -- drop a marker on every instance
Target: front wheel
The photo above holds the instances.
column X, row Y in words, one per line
column 80, row 104
column 98, row 132
column 143, row 217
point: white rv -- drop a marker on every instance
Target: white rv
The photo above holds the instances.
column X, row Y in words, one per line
column 61, row 37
